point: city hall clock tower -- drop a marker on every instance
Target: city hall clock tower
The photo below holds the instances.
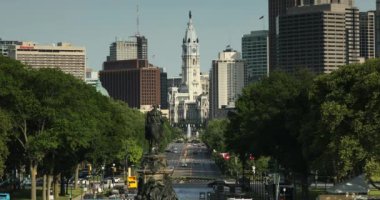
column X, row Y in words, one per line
column 190, row 62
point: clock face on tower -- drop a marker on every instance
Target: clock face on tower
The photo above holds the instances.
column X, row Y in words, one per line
column 194, row 50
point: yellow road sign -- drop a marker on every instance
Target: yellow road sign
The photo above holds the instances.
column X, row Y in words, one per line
column 132, row 182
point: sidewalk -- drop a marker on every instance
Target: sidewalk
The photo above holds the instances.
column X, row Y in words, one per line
column 79, row 197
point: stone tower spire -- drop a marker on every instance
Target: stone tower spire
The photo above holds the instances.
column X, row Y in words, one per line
column 190, row 62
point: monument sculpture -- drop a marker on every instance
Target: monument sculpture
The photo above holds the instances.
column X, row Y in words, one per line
column 154, row 130
column 154, row 175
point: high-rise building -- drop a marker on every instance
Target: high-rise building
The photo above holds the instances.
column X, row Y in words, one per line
column 352, row 34
column 188, row 103
column 276, row 8
column 174, row 82
column 319, row 2
column 367, row 34
column 122, row 50
column 4, row 46
column 164, row 89
column 255, row 53
column 135, row 48
column 319, row 37
column 135, row 82
column 142, row 47
column 70, row 59
column 377, row 26
column 226, row 82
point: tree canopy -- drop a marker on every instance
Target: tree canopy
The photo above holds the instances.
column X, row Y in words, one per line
column 347, row 102
column 328, row 123
column 51, row 121
column 214, row 136
column 5, row 126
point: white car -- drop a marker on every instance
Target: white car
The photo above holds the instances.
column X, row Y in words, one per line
column 113, row 179
column 117, row 179
column 184, row 164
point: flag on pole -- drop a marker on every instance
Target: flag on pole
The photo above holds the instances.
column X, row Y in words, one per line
column 261, row 17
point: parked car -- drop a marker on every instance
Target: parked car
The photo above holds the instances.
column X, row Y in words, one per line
column 116, row 179
column 113, row 179
column 114, row 194
column 5, row 196
column 26, row 183
column 184, row 164
column 8, row 183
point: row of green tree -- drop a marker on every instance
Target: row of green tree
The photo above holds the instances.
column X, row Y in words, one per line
column 329, row 123
column 51, row 122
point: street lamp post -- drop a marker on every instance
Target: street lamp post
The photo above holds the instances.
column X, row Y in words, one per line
column 113, row 172
column 126, row 174
column 71, row 191
column 316, row 178
column 254, row 177
column 103, row 178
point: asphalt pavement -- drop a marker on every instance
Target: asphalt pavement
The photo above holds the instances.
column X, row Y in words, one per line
column 193, row 169
column 191, row 160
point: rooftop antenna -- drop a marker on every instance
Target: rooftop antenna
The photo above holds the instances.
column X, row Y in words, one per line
column 229, row 38
column 138, row 19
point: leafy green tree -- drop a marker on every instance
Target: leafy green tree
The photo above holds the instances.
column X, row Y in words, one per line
column 347, row 107
column 30, row 117
column 52, row 115
column 121, row 135
column 170, row 133
column 262, row 164
column 214, row 136
column 76, row 107
column 269, row 120
column 5, row 126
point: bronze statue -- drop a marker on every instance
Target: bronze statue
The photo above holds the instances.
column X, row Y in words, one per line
column 154, row 129
column 155, row 181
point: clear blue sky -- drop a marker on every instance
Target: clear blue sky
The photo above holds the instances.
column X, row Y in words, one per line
column 95, row 24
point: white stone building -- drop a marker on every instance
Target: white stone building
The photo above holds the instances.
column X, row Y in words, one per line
column 189, row 102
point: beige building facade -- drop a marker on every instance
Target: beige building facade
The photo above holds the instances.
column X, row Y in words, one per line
column 227, row 80
column 64, row 56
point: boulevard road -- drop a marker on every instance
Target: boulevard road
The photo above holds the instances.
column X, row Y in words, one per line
column 191, row 160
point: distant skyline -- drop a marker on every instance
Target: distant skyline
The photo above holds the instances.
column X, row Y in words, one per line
column 95, row 24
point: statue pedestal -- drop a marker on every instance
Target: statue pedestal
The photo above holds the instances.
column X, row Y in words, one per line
column 154, row 178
